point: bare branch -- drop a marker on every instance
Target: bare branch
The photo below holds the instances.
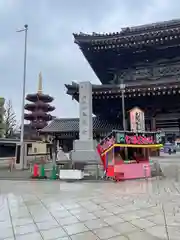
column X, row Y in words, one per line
column 9, row 120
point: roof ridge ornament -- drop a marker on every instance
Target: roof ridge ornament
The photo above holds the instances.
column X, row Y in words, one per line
column 40, row 84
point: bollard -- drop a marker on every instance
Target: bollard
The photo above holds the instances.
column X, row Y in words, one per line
column 151, row 161
column 145, row 172
column 35, row 171
column 57, row 170
column 12, row 162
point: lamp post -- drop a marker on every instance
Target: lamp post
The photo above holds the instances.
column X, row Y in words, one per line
column 122, row 88
column 25, row 30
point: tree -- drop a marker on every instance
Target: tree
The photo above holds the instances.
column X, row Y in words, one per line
column 10, row 123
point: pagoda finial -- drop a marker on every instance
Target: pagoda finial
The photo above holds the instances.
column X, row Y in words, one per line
column 40, row 84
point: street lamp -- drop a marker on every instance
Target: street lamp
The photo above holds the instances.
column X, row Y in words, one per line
column 122, row 88
column 25, row 30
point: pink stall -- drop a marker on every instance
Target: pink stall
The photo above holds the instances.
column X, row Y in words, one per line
column 125, row 155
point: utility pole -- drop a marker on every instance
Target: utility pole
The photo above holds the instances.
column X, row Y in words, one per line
column 122, row 88
column 25, row 30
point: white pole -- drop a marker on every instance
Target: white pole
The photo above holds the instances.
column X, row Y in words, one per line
column 122, row 88
column 23, row 98
column 123, row 108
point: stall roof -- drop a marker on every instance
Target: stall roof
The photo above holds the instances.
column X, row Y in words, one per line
column 72, row 125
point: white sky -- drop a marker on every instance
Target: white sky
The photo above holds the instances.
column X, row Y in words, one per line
column 51, row 49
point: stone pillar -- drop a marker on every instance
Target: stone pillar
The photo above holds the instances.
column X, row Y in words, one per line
column 84, row 150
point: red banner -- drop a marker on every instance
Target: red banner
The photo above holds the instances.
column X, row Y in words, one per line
column 139, row 140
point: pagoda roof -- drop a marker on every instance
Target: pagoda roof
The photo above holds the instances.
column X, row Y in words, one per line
column 39, row 97
column 39, row 105
column 38, row 115
column 63, row 125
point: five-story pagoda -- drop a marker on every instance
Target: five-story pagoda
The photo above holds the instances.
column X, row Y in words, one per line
column 39, row 108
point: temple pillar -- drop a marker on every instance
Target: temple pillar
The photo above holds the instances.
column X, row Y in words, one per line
column 153, row 124
column 153, row 128
column 126, row 124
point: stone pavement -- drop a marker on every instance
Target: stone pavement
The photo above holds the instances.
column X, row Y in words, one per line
column 131, row 210
column 5, row 174
column 170, row 165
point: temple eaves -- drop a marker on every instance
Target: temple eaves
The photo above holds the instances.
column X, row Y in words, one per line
column 132, row 30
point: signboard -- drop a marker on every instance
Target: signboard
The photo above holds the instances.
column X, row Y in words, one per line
column 138, row 138
column 137, row 122
column 85, row 108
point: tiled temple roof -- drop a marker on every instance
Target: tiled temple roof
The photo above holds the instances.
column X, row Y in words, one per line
column 72, row 125
column 136, row 33
column 133, row 52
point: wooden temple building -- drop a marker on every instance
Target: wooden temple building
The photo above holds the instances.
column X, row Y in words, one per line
column 146, row 59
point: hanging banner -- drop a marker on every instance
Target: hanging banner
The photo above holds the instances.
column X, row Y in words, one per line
column 137, row 121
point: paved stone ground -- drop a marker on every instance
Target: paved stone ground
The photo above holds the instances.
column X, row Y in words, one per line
column 15, row 174
column 132, row 210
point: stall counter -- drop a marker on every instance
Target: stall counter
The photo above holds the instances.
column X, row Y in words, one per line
column 133, row 170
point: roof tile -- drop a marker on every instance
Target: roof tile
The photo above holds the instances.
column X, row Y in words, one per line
column 72, row 125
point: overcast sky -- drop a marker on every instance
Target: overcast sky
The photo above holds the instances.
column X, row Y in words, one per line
column 51, row 49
